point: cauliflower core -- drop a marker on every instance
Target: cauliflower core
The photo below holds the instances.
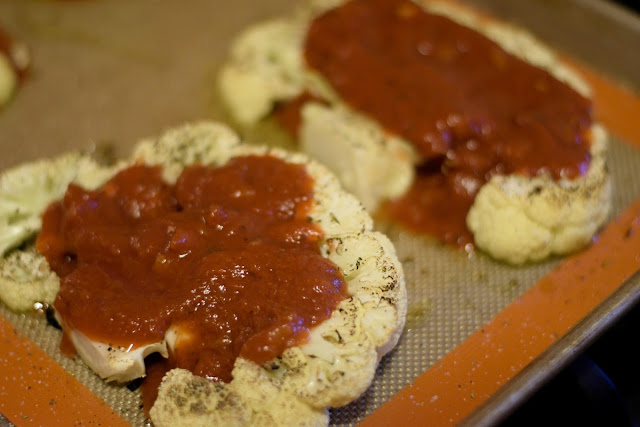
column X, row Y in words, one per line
column 377, row 166
column 333, row 368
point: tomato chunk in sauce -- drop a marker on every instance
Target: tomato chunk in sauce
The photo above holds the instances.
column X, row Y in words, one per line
column 227, row 256
column 470, row 109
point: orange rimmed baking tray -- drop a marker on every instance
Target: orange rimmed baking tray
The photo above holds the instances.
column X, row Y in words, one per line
column 480, row 336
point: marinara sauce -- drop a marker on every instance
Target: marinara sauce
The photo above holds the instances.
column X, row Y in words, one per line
column 470, row 109
column 227, row 256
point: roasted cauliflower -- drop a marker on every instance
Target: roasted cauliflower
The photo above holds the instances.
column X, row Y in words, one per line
column 519, row 219
column 540, row 217
column 333, row 368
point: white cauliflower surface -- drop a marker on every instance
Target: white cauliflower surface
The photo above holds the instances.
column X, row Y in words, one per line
column 333, row 368
column 373, row 165
column 26, row 280
column 507, row 220
column 544, row 217
column 25, row 192
column 114, row 363
column 273, row 48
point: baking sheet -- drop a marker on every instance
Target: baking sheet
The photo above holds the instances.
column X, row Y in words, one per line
column 106, row 73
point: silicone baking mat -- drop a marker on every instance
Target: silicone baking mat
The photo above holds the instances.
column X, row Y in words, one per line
column 479, row 335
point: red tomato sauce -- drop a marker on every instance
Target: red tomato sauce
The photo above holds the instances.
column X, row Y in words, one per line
column 228, row 256
column 470, row 109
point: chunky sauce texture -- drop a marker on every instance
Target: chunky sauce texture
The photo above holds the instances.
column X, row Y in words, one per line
column 470, row 109
column 227, row 256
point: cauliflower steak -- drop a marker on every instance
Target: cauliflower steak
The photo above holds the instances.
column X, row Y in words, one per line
column 332, row 368
column 269, row 66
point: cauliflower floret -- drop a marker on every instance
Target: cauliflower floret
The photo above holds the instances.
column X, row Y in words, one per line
column 519, row 219
column 26, row 280
column 253, row 399
column 273, row 48
column 203, row 142
column 26, row 190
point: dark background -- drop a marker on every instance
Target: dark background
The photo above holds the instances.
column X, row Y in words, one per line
column 634, row 5
column 601, row 387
